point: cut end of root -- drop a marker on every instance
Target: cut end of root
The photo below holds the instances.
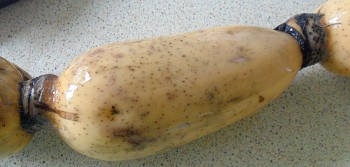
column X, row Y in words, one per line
column 310, row 34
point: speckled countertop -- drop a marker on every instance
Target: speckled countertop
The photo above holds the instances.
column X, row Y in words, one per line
column 308, row 125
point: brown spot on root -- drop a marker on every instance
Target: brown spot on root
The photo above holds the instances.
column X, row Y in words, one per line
column 132, row 136
column 115, row 111
column 145, row 114
column 171, row 95
column 98, row 51
column 119, row 55
column 125, row 132
column 235, row 99
column 230, row 32
column 261, row 99
column 2, row 122
column 152, row 48
column 137, row 141
column 210, row 96
column 133, row 68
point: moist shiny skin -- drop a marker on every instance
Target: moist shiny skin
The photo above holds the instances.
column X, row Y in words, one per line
column 337, row 20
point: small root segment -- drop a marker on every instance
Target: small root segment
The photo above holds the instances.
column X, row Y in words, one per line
column 32, row 103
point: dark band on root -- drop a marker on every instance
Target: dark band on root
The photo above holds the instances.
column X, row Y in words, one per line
column 311, row 39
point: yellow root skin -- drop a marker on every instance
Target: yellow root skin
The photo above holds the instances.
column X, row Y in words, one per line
column 133, row 99
column 337, row 19
column 12, row 137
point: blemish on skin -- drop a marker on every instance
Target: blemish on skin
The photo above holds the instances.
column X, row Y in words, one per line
column 131, row 68
column 235, row 99
column 145, row 114
column 132, row 136
column 119, row 55
column 171, row 95
column 136, row 140
column 168, row 78
column 115, row 111
column 239, row 59
column 121, row 91
column 242, row 49
column 261, row 99
column 131, row 50
column 125, row 132
column 210, row 96
column 98, row 51
column 152, row 48
column 229, row 32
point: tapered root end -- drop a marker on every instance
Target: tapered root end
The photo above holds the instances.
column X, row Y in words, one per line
column 12, row 135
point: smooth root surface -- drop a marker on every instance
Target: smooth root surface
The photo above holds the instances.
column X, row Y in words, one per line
column 129, row 100
column 337, row 19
